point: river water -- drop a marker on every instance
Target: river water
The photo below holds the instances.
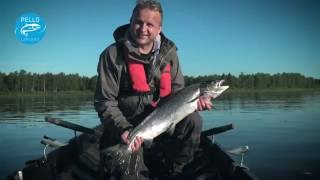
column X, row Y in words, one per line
column 282, row 129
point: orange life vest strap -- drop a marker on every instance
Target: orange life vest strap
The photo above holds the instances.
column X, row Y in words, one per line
column 139, row 79
column 138, row 76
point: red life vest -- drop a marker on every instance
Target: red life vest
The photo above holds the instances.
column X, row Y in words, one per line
column 139, row 79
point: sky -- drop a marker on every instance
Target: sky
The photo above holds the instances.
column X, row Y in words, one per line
column 212, row 36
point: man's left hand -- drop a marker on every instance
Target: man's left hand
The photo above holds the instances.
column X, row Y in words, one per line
column 204, row 103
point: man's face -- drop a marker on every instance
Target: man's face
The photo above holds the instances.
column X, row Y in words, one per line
column 145, row 25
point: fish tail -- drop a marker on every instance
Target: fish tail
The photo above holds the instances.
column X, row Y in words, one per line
column 117, row 159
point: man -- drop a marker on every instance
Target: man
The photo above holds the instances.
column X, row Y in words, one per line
column 136, row 73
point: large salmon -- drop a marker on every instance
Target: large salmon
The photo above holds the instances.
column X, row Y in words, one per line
column 163, row 118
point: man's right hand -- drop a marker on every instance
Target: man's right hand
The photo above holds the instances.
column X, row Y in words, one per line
column 137, row 142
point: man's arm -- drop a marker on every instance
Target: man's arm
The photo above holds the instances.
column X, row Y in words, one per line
column 176, row 73
column 107, row 89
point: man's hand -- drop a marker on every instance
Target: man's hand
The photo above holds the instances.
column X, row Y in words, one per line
column 137, row 142
column 204, row 103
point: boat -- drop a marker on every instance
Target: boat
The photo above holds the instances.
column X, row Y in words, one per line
column 79, row 158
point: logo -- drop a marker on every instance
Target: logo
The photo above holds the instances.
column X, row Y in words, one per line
column 30, row 28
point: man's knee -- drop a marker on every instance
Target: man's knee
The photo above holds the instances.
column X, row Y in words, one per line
column 196, row 121
column 191, row 125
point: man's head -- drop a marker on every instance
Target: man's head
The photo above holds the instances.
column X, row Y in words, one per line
column 146, row 22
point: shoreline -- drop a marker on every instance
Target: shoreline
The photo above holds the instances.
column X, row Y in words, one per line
column 40, row 94
column 90, row 93
column 275, row 90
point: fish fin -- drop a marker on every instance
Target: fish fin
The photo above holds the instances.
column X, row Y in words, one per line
column 171, row 129
column 194, row 99
column 117, row 158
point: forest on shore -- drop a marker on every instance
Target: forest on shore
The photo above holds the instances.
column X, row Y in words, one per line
column 27, row 82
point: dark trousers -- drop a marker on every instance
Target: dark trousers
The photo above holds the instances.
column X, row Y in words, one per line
column 177, row 148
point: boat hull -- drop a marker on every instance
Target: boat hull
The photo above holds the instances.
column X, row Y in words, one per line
column 80, row 160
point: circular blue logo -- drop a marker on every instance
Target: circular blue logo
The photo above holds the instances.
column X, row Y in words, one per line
column 30, row 28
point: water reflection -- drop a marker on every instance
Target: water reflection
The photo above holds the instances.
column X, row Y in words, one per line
column 255, row 101
column 279, row 127
column 23, row 104
column 28, row 109
column 31, row 110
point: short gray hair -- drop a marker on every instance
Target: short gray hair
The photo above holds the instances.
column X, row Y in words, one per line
column 149, row 4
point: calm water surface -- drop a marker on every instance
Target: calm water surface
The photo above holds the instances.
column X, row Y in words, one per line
column 281, row 129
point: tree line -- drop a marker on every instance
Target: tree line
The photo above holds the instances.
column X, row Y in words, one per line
column 261, row 80
column 27, row 82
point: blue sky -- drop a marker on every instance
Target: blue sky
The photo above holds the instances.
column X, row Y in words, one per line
column 213, row 36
